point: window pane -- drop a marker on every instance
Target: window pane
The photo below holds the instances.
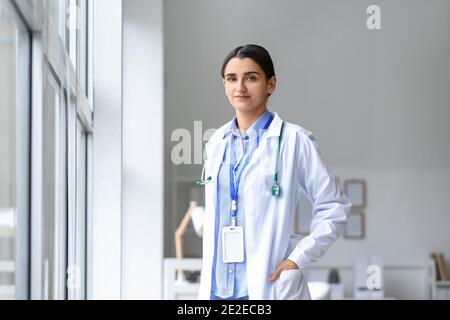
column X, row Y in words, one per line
column 8, row 179
column 58, row 12
column 89, row 58
column 82, row 50
column 55, row 191
column 73, row 25
column 81, row 213
column 78, row 38
column 14, row 154
column 76, row 281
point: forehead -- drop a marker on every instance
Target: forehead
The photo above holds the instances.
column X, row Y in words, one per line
column 240, row 66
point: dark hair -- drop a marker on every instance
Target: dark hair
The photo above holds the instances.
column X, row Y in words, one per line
column 257, row 53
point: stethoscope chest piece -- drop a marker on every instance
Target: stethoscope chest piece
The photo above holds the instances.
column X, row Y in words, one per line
column 276, row 190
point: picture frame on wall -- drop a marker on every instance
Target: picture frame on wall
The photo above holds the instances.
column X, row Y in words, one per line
column 355, row 190
column 355, row 228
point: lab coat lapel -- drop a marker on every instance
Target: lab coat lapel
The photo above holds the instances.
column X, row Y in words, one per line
column 214, row 151
column 268, row 144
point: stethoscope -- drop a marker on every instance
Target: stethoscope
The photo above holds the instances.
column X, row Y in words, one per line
column 276, row 189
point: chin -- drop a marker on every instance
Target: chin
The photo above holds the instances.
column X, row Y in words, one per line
column 244, row 107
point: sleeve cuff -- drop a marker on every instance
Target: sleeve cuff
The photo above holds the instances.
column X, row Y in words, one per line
column 299, row 258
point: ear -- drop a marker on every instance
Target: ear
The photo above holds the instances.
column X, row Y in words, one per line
column 272, row 85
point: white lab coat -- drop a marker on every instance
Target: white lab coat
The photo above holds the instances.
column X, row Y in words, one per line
column 269, row 221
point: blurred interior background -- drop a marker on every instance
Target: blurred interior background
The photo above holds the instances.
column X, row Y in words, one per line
column 105, row 107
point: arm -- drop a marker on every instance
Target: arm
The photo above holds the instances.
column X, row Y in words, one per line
column 330, row 206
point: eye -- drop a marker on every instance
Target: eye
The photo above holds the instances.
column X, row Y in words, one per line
column 252, row 77
column 231, row 79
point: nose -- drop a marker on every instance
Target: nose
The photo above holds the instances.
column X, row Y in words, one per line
column 241, row 86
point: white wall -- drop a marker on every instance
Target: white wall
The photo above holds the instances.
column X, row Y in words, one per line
column 377, row 101
column 104, row 269
column 142, row 149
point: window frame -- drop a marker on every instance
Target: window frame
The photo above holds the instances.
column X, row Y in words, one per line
column 50, row 50
column 60, row 193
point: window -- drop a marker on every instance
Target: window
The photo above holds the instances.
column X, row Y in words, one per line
column 55, row 190
column 89, row 59
column 58, row 11
column 77, row 224
column 14, row 153
column 80, row 223
column 47, row 149
column 51, row 144
column 77, row 24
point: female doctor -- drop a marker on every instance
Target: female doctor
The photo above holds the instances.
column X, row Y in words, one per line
column 256, row 168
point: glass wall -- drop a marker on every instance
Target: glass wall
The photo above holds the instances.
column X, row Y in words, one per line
column 55, row 190
column 80, row 222
column 14, row 154
column 58, row 12
column 46, row 259
column 77, row 25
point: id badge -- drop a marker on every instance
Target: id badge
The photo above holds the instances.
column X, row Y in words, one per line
column 233, row 244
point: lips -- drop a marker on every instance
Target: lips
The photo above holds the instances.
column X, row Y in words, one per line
column 242, row 97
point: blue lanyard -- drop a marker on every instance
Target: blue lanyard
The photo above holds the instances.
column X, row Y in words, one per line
column 234, row 189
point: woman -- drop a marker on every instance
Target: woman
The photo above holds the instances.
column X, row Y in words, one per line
column 257, row 168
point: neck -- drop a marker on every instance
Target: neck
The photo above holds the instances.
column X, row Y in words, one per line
column 246, row 119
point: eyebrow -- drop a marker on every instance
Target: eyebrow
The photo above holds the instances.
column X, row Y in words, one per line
column 245, row 74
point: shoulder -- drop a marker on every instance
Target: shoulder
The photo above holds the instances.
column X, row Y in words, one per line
column 295, row 131
column 300, row 142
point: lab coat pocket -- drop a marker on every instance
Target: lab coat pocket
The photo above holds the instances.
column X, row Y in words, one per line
column 291, row 285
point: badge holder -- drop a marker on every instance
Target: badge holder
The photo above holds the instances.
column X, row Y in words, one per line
column 233, row 244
